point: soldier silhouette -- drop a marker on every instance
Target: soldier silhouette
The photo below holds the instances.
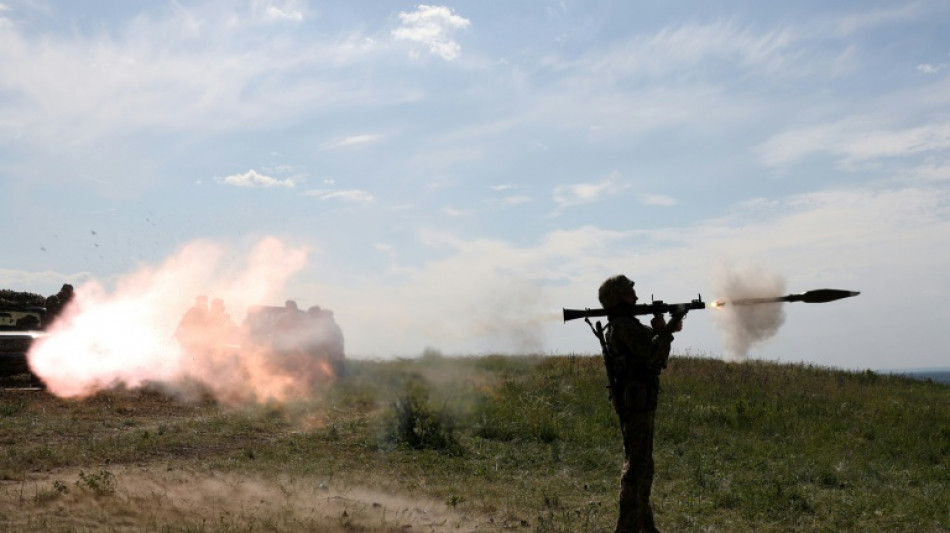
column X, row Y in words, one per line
column 637, row 355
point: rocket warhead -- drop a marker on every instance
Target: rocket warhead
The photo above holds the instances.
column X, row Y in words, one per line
column 817, row 296
column 820, row 296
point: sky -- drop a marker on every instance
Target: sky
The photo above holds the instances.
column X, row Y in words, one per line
column 456, row 173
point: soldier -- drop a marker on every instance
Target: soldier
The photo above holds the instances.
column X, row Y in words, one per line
column 56, row 303
column 65, row 295
column 637, row 355
column 326, row 338
column 192, row 326
column 289, row 334
column 52, row 309
column 222, row 328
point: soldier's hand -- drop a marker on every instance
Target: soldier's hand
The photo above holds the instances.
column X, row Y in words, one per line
column 679, row 325
column 658, row 322
column 677, row 321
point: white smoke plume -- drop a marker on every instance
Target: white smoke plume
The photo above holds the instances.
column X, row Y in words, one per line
column 744, row 326
column 127, row 336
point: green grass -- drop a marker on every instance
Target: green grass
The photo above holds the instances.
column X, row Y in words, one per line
column 531, row 444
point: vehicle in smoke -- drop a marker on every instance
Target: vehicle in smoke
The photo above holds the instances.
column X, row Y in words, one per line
column 280, row 343
column 19, row 328
column 295, row 335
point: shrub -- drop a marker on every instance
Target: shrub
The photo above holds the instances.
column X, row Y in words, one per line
column 414, row 424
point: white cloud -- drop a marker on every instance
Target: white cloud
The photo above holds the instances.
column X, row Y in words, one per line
column 352, row 140
column 869, row 18
column 253, row 179
column 350, row 195
column 271, row 10
column 854, row 140
column 657, row 200
column 933, row 170
column 583, row 193
column 928, row 68
column 511, row 201
column 454, row 212
column 280, row 169
column 432, row 26
column 696, row 46
column 894, row 143
column 202, row 70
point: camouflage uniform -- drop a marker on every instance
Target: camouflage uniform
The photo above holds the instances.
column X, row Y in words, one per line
column 637, row 356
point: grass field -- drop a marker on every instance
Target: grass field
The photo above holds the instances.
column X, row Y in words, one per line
column 490, row 443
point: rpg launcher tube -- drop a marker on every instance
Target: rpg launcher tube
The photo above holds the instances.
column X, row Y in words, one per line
column 656, row 308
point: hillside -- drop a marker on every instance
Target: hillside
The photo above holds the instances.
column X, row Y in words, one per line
column 939, row 376
column 487, row 443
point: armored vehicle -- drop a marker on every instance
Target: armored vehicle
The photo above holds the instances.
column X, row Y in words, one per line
column 290, row 332
column 19, row 328
column 307, row 344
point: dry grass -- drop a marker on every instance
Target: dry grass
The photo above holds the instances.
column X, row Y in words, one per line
column 486, row 444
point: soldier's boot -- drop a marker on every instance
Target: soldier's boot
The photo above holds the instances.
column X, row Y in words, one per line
column 646, row 523
column 628, row 520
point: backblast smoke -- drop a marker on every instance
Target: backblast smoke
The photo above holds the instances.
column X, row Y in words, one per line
column 744, row 326
column 127, row 336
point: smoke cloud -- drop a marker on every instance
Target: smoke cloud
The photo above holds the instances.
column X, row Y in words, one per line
column 745, row 326
column 127, row 336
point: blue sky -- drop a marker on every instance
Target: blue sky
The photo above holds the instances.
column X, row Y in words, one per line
column 458, row 172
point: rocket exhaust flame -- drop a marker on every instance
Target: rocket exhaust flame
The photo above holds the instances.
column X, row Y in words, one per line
column 127, row 336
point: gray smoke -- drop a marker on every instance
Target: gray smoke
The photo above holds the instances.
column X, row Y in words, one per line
column 745, row 326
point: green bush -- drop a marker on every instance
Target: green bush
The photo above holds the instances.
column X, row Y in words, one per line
column 412, row 423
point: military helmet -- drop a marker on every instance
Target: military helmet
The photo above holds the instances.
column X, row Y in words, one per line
column 612, row 291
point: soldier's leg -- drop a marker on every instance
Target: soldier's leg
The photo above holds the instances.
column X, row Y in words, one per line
column 646, row 481
column 635, row 468
column 628, row 520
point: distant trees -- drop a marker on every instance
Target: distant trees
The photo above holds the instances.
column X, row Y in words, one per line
column 9, row 298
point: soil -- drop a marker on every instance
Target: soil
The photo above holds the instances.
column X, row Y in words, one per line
column 150, row 498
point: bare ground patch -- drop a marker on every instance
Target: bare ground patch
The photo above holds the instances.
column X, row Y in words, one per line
column 128, row 498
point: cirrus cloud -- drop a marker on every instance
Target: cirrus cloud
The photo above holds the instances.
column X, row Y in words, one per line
column 352, row 140
column 350, row 195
